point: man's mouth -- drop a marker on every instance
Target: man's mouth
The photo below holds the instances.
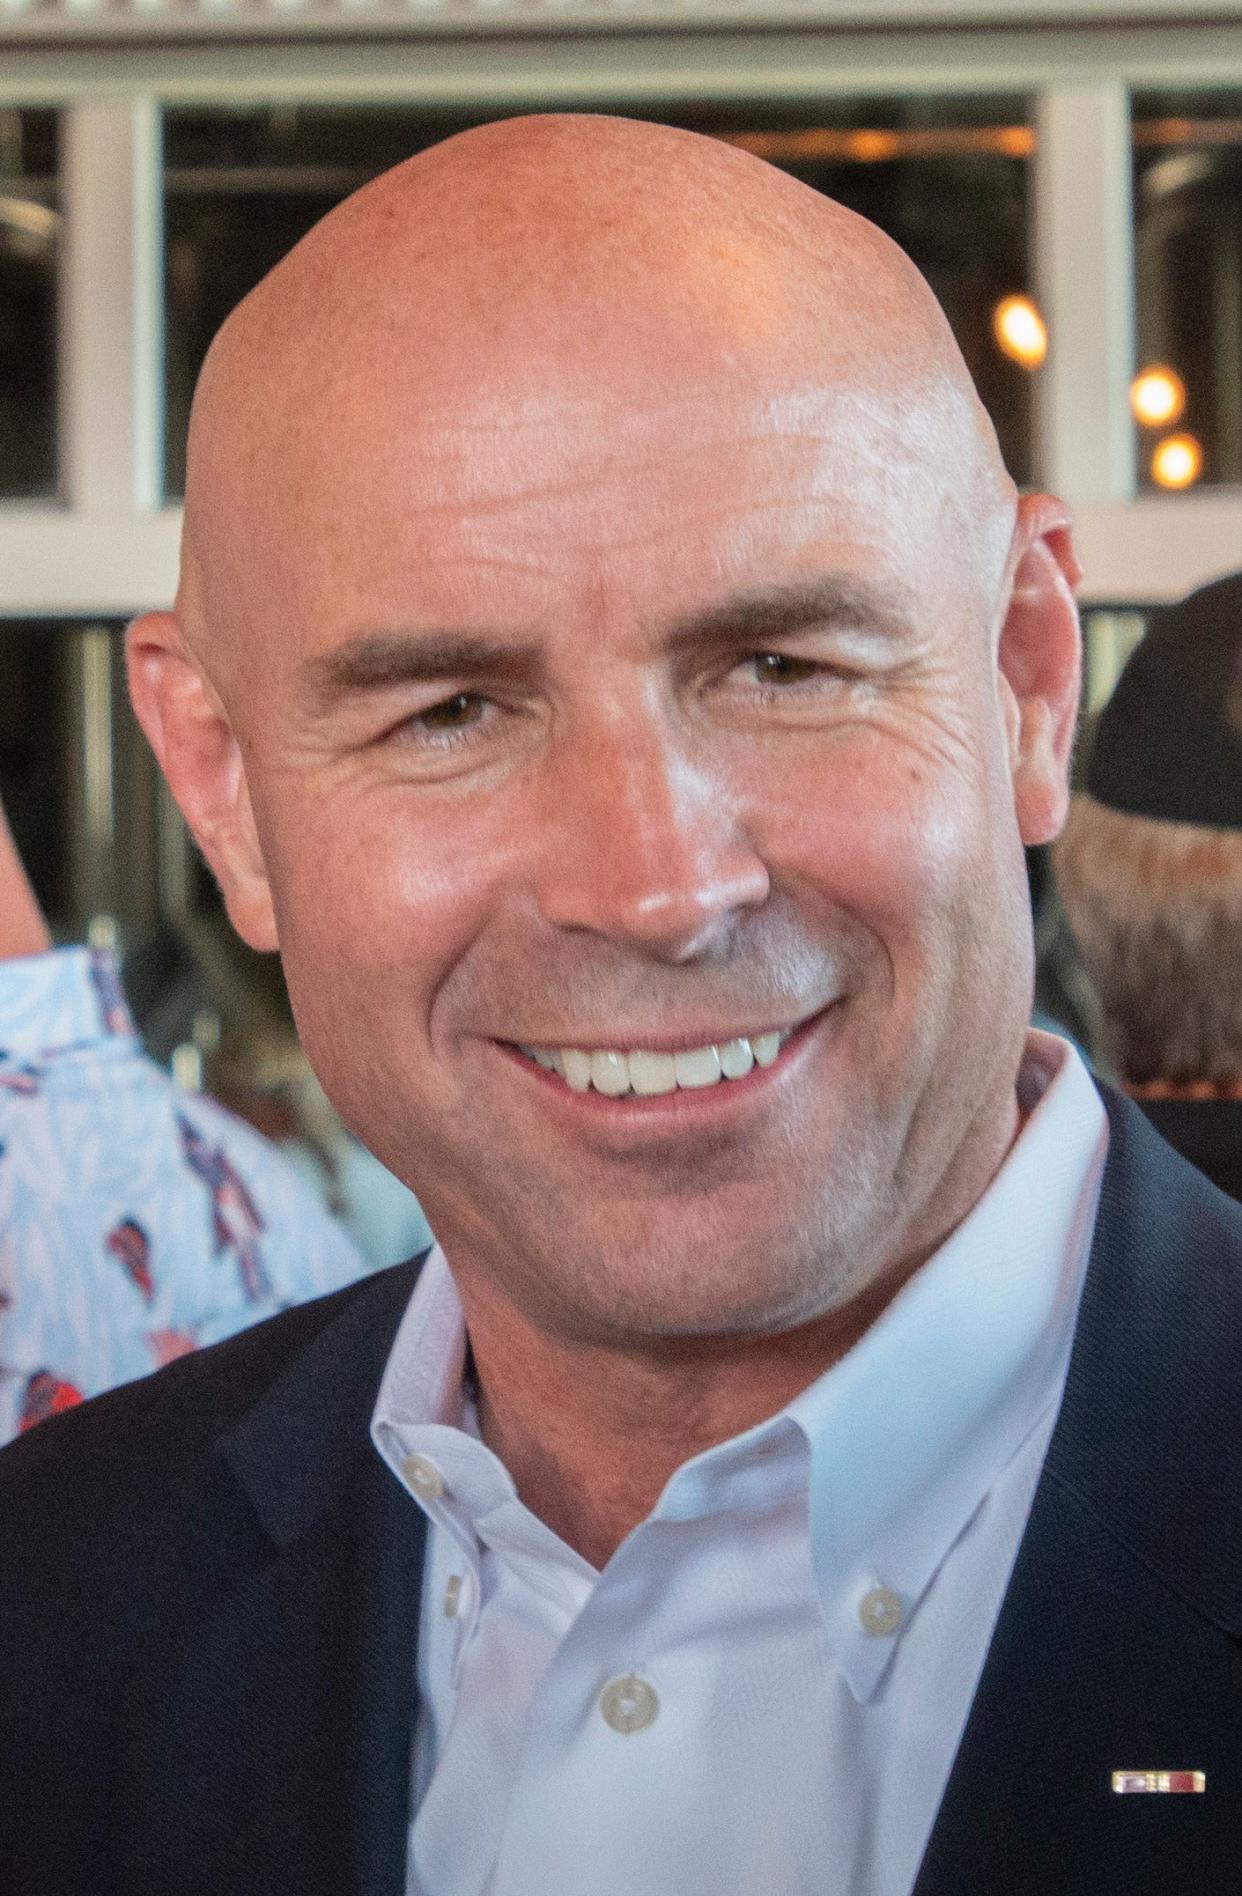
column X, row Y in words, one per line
column 648, row 1072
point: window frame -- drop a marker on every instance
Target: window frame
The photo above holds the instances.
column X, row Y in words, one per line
column 110, row 545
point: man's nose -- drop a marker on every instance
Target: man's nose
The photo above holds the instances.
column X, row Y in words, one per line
column 644, row 845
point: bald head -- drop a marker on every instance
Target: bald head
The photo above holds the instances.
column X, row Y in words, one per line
column 537, row 278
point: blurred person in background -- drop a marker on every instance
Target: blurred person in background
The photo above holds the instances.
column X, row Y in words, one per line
column 1149, row 871
column 137, row 1221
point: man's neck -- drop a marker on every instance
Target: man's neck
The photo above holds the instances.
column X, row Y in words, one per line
column 592, row 1432
column 591, row 1436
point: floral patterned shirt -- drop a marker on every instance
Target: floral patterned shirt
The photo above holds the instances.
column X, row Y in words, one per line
column 137, row 1221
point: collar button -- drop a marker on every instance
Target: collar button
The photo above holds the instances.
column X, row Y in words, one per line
column 423, row 1476
column 879, row 1612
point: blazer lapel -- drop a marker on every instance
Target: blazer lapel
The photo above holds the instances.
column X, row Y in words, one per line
column 292, row 1702
column 1116, row 1646
column 1094, row 1667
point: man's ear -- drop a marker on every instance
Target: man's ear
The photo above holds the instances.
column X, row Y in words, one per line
column 189, row 731
column 1040, row 660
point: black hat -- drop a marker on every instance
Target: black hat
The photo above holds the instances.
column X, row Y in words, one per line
column 1169, row 741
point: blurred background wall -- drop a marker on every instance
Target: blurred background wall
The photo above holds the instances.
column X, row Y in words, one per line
column 1068, row 177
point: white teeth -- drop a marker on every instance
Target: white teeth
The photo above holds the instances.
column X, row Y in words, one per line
column 576, row 1068
column 611, row 1072
column 699, row 1067
column 652, row 1073
column 736, row 1059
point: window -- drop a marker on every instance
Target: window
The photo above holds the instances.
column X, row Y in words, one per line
column 29, row 218
column 1188, row 241
column 76, row 777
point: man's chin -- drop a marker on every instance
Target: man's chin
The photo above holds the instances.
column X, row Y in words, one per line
column 669, row 1288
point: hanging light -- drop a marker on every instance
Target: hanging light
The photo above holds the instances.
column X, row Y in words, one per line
column 1177, row 461
column 1157, row 395
column 1020, row 331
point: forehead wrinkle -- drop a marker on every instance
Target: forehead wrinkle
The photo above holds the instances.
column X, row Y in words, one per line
column 586, row 473
column 580, row 467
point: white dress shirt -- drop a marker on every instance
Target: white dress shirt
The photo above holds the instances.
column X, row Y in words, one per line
column 764, row 1688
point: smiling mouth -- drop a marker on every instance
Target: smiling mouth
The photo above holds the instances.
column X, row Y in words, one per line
column 646, row 1073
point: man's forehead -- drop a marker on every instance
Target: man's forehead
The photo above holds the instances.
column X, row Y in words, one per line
column 689, row 514
column 632, row 543
column 819, row 388
column 576, row 456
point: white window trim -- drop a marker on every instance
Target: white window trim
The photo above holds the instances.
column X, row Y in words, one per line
column 111, row 345
column 138, row 20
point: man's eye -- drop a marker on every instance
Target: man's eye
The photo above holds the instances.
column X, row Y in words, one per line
column 464, row 707
column 777, row 668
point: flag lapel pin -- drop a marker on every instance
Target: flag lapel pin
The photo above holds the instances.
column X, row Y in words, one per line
column 1159, row 1781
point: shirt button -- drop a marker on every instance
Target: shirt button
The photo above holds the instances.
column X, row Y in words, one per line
column 423, row 1476
column 628, row 1704
column 880, row 1611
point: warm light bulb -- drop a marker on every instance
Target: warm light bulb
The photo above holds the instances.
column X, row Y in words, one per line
column 1157, row 395
column 1177, row 461
column 1019, row 331
column 873, row 147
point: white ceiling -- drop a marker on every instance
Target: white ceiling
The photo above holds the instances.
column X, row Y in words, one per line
column 135, row 20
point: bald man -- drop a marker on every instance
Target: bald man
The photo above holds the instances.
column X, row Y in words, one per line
column 613, row 668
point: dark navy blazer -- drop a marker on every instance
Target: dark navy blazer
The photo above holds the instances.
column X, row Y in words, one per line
column 209, row 1596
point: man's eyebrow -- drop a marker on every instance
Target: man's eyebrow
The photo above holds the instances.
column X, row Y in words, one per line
column 383, row 661
column 834, row 601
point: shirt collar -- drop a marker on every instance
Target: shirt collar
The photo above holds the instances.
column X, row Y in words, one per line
column 64, row 1000
column 426, row 1429
column 900, row 1441
column 911, row 1429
